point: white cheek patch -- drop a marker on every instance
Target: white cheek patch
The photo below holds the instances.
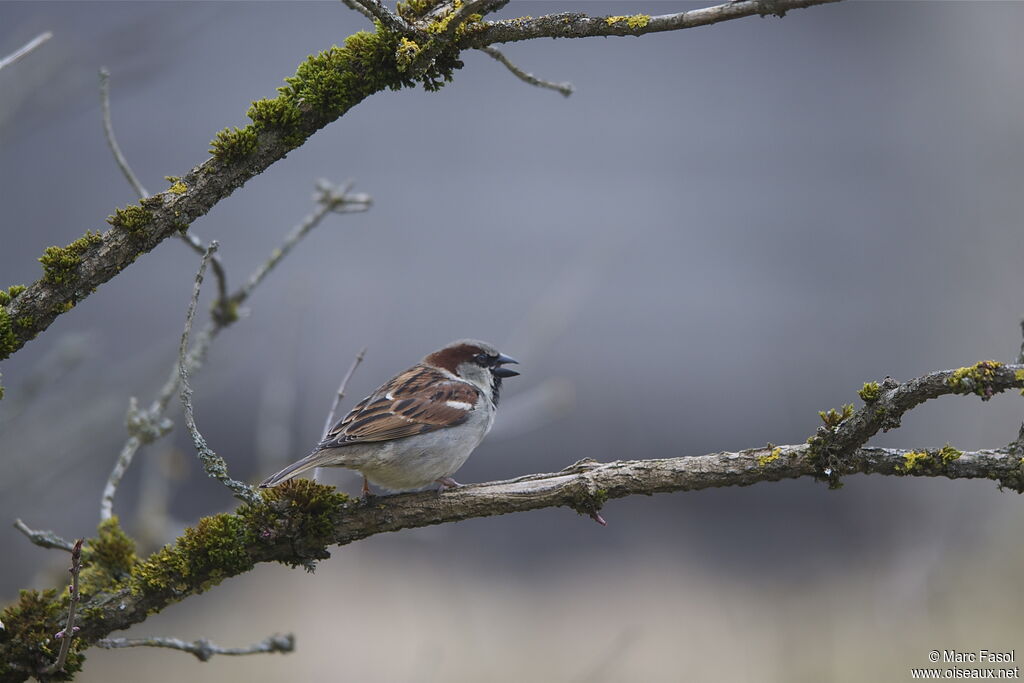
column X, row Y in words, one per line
column 461, row 405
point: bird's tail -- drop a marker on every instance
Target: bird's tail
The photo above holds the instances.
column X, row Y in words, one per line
column 314, row 459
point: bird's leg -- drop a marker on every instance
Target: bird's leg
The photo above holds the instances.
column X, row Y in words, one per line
column 367, row 493
column 445, row 483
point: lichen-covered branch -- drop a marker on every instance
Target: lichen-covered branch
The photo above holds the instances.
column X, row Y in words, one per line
column 296, row 522
column 203, row 649
column 322, row 90
column 886, row 402
column 375, row 9
column 578, row 25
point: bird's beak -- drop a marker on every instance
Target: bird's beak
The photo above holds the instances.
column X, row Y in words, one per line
column 504, row 372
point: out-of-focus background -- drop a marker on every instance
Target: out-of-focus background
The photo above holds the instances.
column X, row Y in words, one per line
column 722, row 232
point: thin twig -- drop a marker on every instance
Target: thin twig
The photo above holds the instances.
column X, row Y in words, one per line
column 341, row 391
column 213, row 464
column 375, row 9
column 25, row 49
column 564, row 88
column 122, row 163
column 108, row 129
column 43, row 539
column 329, row 422
column 151, row 422
column 330, row 200
column 68, row 634
column 358, row 7
column 202, row 648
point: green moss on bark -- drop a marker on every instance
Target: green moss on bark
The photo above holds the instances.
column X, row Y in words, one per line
column 60, row 264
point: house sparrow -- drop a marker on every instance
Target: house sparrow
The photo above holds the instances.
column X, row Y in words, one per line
column 420, row 426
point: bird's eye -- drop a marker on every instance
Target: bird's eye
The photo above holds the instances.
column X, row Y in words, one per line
column 482, row 359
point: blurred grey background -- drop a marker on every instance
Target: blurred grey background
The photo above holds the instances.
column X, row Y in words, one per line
column 722, row 232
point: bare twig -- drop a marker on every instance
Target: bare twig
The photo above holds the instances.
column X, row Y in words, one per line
column 144, row 426
column 341, row 391
column 202, row 648
column 108, row 129
column 43, row 539
column 330, row 200
column 375, row 9
column 564, row 88
column 213, row 464
column 68, row 634
column 329, row 422
column 358, row 7
column 578, row 25
column 122, row 163
column 25, row 49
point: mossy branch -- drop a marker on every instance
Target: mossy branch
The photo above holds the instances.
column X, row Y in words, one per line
column 295, row 523
column 322, row 90
column 579, row 25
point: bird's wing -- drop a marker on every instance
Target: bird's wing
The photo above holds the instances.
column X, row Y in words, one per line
column 421, row 399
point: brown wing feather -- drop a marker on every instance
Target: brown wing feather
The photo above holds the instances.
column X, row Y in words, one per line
column 417, row 404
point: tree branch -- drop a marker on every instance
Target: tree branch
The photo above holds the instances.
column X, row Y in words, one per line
column 340, row 394
column 284, row 532
column 564, row 88
column 296, row 522
column 68, row 633
column 375, row 9
column 44, row 539
column 324, row 88
column 25, row 49
column 202, row 648
column 141, row 192
column 578, row 25
column 213, row 464
column 146, row 425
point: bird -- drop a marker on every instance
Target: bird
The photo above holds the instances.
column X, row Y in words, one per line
column 420, row 426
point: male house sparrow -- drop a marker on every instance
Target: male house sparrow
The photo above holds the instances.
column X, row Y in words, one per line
column 420, row 426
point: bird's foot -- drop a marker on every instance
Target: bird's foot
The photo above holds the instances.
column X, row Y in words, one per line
column 367, row 494
column 445, row 483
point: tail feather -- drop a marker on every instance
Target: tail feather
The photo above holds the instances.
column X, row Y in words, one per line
column 312, row 460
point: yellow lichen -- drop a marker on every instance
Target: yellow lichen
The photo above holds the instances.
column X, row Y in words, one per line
column 914, row 460
column 178, row 188
column 948, row 454
column 976, row 379
column 406, row 53
column 634, row 21
column 764, row 460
